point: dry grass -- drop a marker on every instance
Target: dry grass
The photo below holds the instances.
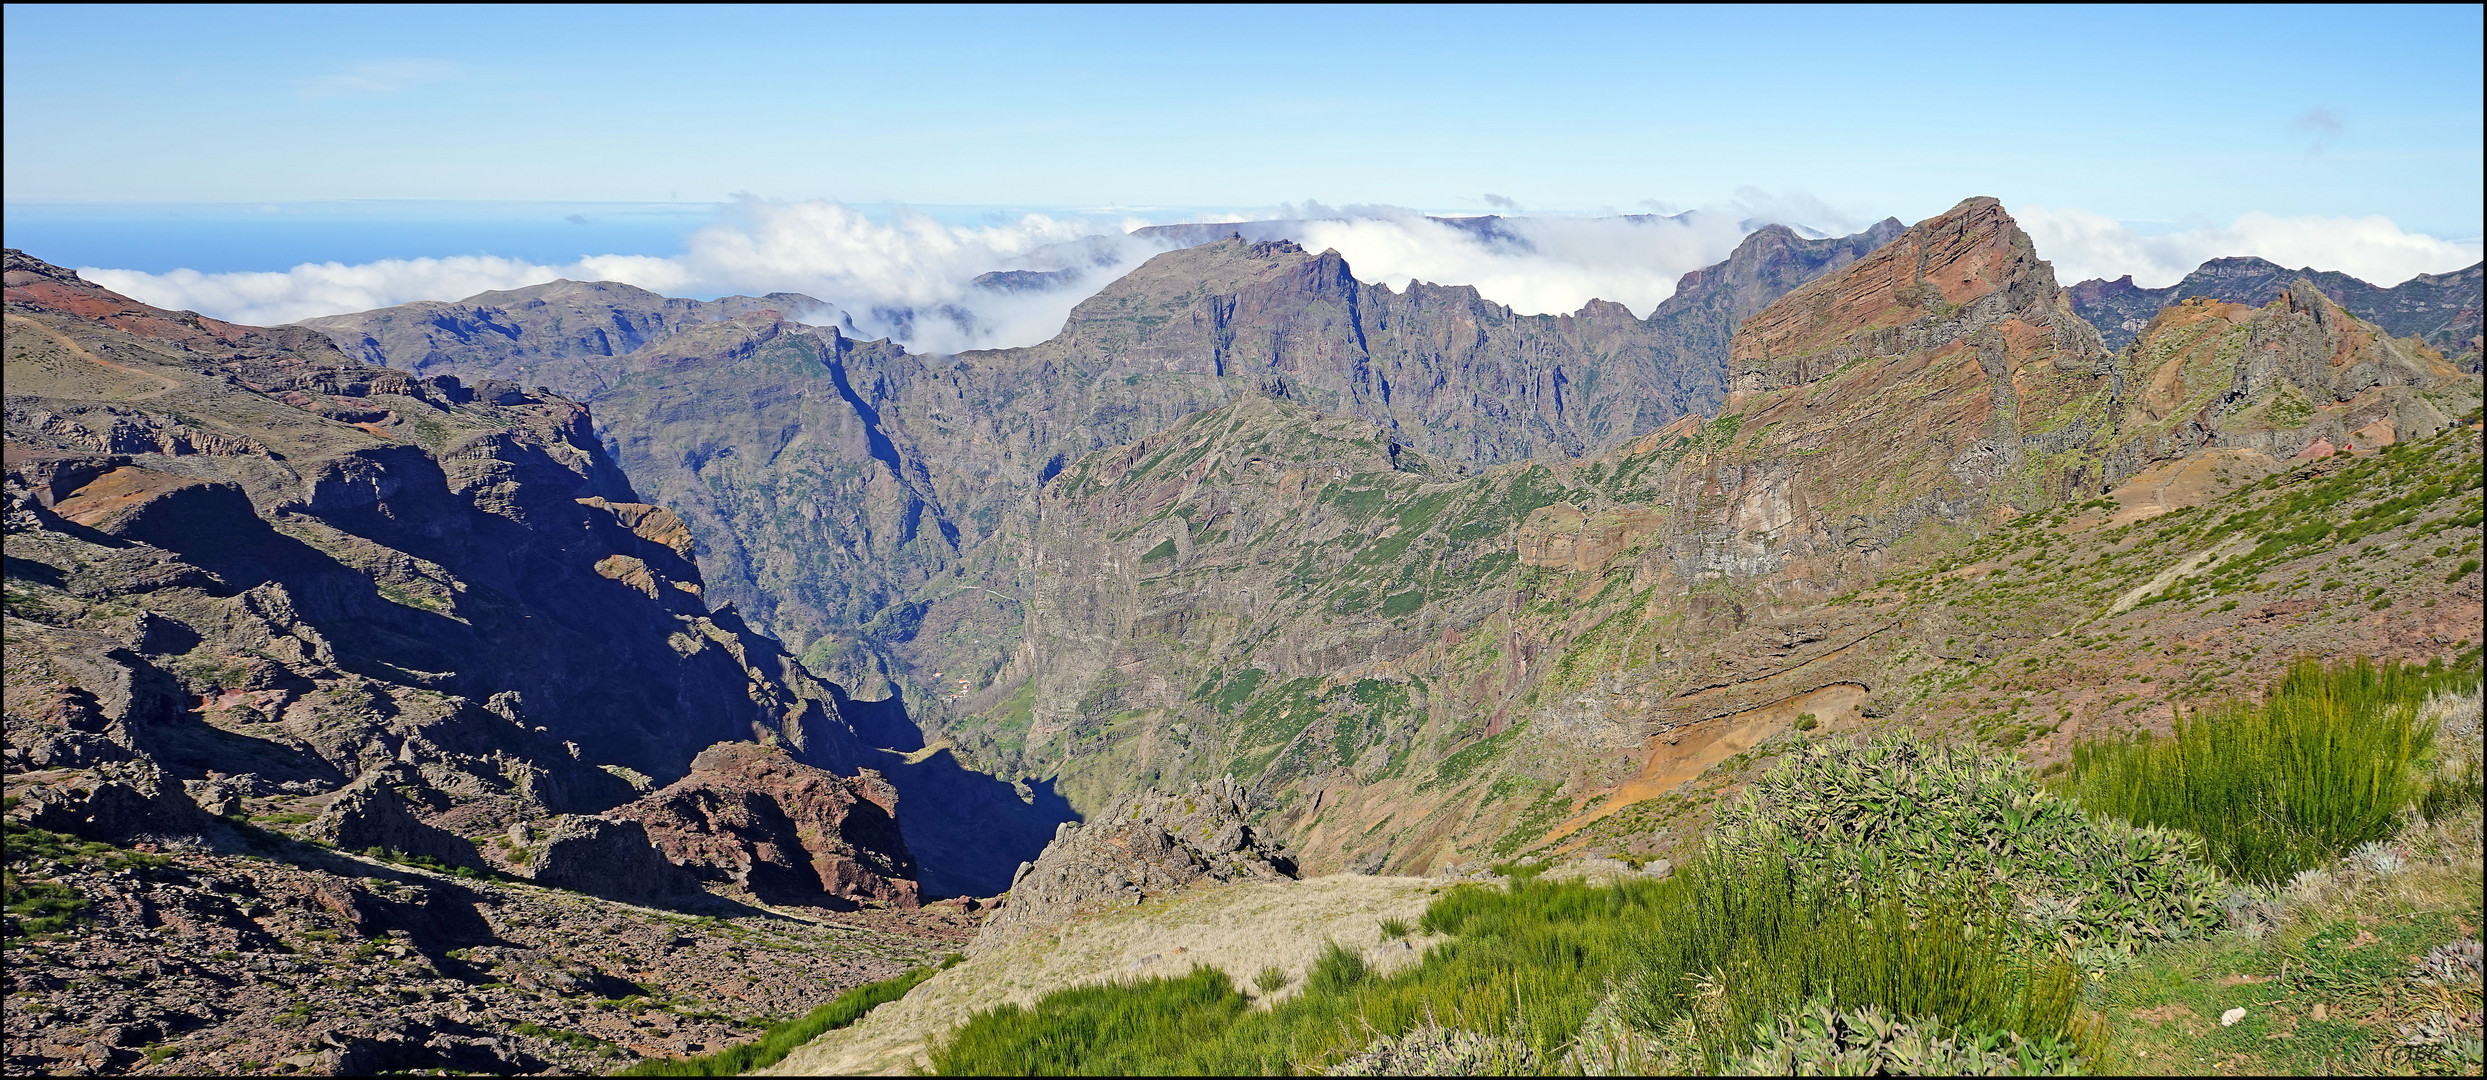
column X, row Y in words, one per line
column 1241, row 929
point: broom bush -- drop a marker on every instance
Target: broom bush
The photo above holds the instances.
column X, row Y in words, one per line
column 2326, row 762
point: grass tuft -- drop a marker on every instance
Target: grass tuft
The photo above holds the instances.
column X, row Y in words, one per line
column 2324, row 764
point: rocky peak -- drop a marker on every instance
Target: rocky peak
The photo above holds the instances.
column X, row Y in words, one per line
column 752, row 818
column 1961, row 274
column 2300, row 370
column 1774, row 260
column 1149, row 843
column 2440, row 309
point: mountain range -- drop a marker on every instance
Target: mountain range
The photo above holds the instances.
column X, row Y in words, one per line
column 478, row 630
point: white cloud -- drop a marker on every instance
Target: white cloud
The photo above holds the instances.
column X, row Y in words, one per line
column 2084, row 245
column 269, row 298
column 1536, row 265
column 912, row 277
column 907, row 275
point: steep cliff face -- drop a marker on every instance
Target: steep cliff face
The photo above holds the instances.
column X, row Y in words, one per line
column 2440, row 310
column 780, row 831
column 1417, row 664
column 543, row 335
column 873, row 507
column 258, row 566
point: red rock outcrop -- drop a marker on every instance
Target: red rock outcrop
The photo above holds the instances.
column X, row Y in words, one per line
column 752, row 817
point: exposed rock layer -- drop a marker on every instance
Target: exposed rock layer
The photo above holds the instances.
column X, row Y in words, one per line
column 783, row 832
column 2440, row 309
column 243, row 565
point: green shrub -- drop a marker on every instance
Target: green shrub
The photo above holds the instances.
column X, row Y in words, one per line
column 1524, row 964
column 1824, row 1040
column 781, row 1039
column 1340, row 969
column 1435, row 1050
column 2325, row 763
column 1752, row 938
column 1901, row 812
column 1161, row 1025
column 37, row 908
column 1271, row 979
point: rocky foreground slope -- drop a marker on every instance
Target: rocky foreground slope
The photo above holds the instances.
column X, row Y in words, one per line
column 269, row 606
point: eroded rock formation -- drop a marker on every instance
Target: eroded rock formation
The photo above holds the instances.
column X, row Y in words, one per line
column 1146, row 844
column 751, row 817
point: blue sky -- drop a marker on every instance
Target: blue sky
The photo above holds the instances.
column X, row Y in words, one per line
column 416, row 129
column 2141, row 114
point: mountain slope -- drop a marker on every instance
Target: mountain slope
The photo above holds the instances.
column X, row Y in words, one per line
column 1414, row 666
column 871, row 506
column 2441, row 310
column 268, row 606
column 542, row 335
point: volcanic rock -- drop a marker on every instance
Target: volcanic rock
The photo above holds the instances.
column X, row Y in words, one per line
column 1147, row 844
column 612, row 859
column 751, row 817
column 371, row 813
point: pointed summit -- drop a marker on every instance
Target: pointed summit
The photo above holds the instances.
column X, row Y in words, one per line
column 1946, row 278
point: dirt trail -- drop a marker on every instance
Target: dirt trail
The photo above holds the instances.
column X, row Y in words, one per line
column 1240, row 928
column 21, row 322
column 1687, row 752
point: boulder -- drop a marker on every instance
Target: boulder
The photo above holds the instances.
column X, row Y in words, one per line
column 118, row 802
column 371, row 812
column 608, row 858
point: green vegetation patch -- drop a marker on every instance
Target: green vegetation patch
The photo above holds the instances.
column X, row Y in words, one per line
column 1531, row 961
column 1529, row 964
column 1746, row 940
column 1911, row 814
column 2325, row 763
column 1459, row 765
column 39, row 908
column 781, row 1039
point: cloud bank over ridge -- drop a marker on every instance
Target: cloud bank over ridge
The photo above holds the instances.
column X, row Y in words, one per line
column 2084, row 245
column 915, row 278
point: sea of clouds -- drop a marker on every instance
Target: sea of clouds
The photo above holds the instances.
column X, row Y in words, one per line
column 914, row 278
